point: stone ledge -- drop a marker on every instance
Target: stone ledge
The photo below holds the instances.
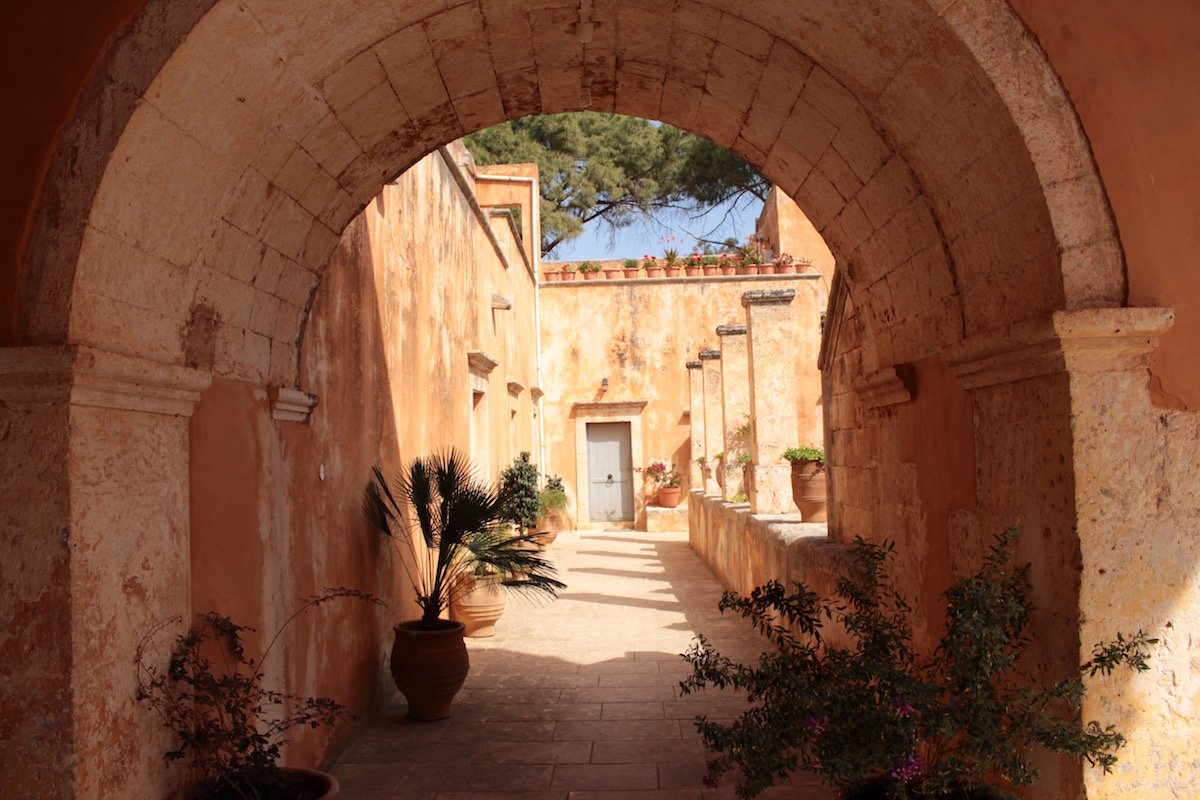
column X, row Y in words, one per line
column 659, row 518
column 289, row 405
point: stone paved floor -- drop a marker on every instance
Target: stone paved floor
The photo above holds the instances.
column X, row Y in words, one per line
column 576, row 699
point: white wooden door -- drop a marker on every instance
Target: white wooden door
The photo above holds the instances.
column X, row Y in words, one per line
column 610, row 471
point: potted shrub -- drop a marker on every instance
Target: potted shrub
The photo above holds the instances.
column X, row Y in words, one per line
column 457, row 528
column 803, row 265
column 567, row 273
column 552, row 514
column 230, row 729
column 589, row 271
column 784, row 264
column 709, row 265
column 671, row 261
column 878, row 720
column 667, row 481
column 613, row 272
column 693, row 265
column 552, row 275
column 808, row 482
column 652, row 267
column 728, row 264
column 631, row 267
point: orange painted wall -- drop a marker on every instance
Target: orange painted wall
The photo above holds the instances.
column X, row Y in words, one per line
column 1131, row 71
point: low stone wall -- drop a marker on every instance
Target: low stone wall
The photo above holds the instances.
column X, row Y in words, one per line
column 745, row 550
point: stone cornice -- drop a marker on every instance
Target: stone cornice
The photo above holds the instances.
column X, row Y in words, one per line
column 290, row 405
column 1091, row 340
column 731, row 330
column 602, row 408
column 515, row 388
column 768, row 297
column 694, row 364
column 710, row 355
column 501, row 303
column 481, row 362
column 886, row 387
column 83, row 376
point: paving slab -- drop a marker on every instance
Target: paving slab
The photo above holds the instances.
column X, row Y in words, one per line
column 577, row 698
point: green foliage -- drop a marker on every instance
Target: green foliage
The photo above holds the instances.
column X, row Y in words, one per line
column 229, row 729
column 614, row 168
column 631, row 263
column 875, row 712
column 460, row 527
column 804, row 453
column 744, row 428
column 739, row 497
column 588, row 266
column 744, row 458
column 520, row 503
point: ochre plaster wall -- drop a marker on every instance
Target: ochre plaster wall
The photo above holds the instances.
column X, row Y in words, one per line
column 640, row 334
column 276, row 504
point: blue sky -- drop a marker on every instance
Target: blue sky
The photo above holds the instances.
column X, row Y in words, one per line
column 647, row 238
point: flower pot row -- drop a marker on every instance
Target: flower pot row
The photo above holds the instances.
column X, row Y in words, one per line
column 553, row 276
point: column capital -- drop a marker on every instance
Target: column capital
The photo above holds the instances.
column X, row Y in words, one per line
column 731, row 330
column 710, row 355
column 290, row 405
column 768, row 297
column 1092, row 340
column 85, row 376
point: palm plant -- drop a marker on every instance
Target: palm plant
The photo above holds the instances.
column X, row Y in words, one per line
column 458, row 519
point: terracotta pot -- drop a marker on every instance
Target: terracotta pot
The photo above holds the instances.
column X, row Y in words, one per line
column 548, row 527
column 429, row 667
column 729, row 270
column 567, row 276
column 803, row 268
column 672, row 272
column 551, row 277
column 808, row 490
column 668, row 496
column 631, row 272
column 614, row 274
column 766, row 269
column 785, row 269
column 481, row 606
column 748, row 269
column 591, row 276
column 309, row 784
column 690, row 271
column 710, row 269
column 654, row 272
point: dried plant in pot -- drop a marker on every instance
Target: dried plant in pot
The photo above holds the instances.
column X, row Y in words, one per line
column 877, row 719
column 230, row 729
column 444, row 523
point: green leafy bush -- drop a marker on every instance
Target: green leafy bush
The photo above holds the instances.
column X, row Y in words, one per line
column 519, row 497
column 804, row 453
column 875, row 712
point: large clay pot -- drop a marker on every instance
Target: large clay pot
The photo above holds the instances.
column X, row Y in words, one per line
column 429, row 667
column 808, row 490
column 668, row 496
column 481, row 605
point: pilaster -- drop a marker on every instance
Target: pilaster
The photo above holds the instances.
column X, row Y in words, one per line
column 714, row 420
column 771, row 331
column 696, row 418
column 101, row 440
column 735, row 403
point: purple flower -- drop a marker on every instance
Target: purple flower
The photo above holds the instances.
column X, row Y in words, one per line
column 907, row 770
column 902, row 707
column 709, row 781
column 816, row 725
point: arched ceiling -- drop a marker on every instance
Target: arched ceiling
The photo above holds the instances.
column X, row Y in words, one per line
column 224, row 146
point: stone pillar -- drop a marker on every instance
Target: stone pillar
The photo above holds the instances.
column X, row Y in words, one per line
column 771, row 329
column 696, row 415
column 714, row 423
column 94, row 552
column 735, row 407
column 1101, row 484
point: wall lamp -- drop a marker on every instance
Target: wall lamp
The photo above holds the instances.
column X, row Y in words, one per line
column 604, row 385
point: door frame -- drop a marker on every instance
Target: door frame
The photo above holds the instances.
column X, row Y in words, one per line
column 624, row 411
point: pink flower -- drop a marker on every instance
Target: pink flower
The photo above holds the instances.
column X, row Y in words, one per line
column 902, row 707
column 907, row 770
column 816, row 725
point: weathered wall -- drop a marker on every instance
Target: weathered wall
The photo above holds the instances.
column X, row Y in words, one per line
column 639, row 334
column 276, row 504
column 787, row 230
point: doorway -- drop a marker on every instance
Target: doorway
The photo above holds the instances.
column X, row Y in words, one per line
column 610, row 472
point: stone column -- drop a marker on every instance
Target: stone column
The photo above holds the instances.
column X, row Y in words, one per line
column 735, row 406
column 714, row 423
column 696, row 415
column 771, row 329
column 94, row 552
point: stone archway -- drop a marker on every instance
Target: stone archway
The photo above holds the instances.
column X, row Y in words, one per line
column 223, row 146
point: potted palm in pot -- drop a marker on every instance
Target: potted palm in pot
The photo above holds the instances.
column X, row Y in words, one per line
column 444, row 524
